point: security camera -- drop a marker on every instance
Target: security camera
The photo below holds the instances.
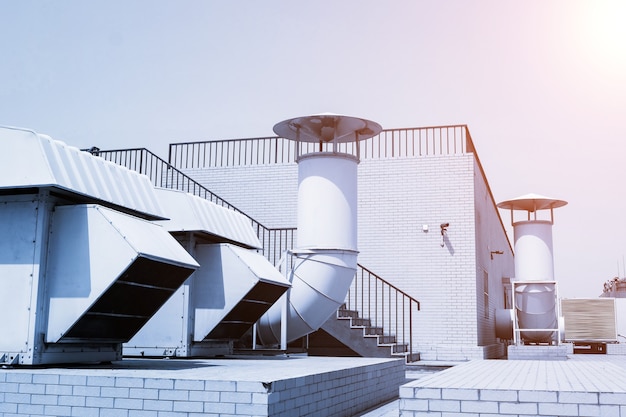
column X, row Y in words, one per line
column 444, row 225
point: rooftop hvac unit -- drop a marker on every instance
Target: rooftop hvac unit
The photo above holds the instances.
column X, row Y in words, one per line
column 31, row 161
column 77, row 280
column 589, row 319
column 221, row 301
column 78, row 289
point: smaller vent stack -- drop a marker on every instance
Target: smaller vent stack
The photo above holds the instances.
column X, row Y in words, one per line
column 535, row 315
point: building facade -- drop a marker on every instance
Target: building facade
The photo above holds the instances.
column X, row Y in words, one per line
column 427, row 222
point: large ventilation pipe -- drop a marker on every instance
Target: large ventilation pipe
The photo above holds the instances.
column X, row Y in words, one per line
column 324, row 263
column 535, row 297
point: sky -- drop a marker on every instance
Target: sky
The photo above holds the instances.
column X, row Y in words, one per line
column 541, row 85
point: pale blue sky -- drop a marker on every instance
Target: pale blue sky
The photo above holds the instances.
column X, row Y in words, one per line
column 541, row 85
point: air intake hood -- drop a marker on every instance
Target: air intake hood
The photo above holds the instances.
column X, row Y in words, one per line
column 108, row 273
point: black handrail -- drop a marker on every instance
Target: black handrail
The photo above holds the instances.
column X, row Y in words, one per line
column 384, row 304
column 389, row 143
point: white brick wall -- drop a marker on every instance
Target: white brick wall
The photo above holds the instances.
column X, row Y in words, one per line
column 266, row 193
column 397, row 196
column 577, row 387
column 463, row 402
column 490, row 237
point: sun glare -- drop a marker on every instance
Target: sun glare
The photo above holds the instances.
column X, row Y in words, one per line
column 604, row 32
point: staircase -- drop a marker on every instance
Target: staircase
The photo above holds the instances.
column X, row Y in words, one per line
column 375, row 321
column 347, row 334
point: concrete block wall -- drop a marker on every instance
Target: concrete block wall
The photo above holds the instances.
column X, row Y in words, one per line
column 343, row 392
column 397, row 198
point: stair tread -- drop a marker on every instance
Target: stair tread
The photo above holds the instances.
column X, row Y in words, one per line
column 370, row 331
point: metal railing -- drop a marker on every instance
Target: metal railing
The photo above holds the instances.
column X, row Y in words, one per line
column 162, row 174
column 384, row 304
column 389, row 143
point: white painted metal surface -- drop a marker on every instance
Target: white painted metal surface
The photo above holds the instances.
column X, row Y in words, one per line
column 535, row 296
column 537, row 311
column 327, row 127
column 19, row 269
column 189, row 213
column 326, row 258
column 533, row 250
column 531, row 203
column 232, row 288
column 232, row 281
column 327, row 202
column 32, row 160
column 320, row 281
column 90, row 248
column 227, row 275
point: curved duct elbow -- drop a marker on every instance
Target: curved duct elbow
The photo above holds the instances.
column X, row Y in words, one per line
column 325, row 264
column 320, row 282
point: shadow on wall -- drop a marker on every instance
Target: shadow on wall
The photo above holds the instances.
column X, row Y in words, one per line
column 446, row 242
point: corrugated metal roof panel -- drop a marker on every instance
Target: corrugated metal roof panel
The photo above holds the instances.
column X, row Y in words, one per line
column 29, row 160
column 190, row 213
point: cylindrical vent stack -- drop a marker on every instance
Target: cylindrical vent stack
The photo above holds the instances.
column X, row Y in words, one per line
column 533, row 250
column 327, row 201
column 535, row 290
column 326, row 255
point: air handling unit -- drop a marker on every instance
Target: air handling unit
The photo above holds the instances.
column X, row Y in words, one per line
column 83, row 266
column 535, row 316
column 221, row 301
column 324, row 263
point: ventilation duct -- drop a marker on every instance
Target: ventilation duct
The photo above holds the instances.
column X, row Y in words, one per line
column 85, row 268
column 536, row 311
column 221, row 301
column 188, row 213
column 325, row 262
column 108, row 273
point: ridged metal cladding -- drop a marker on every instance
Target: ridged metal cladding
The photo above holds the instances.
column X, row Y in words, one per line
column 32, row 160
column 190, row 213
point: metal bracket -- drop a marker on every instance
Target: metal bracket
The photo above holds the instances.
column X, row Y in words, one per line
column 9, row 359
